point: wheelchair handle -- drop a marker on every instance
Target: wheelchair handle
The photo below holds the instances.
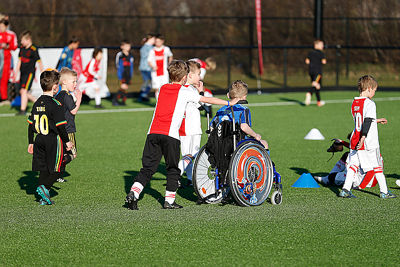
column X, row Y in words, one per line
column 233, row 128
column 242, row 102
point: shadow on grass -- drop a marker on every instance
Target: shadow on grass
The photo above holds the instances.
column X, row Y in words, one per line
column 29, row 183
column 292, row 100
column 392, row 175
column 368, row 192
column 187, row 192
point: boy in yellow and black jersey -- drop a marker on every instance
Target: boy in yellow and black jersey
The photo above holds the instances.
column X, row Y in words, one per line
column 47, row 120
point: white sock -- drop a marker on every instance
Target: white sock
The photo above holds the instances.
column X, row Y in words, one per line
column 184, row 163
column 351, row 173
column 380, row 177
column 170, row 196
column 137, row 188
column 97, row 99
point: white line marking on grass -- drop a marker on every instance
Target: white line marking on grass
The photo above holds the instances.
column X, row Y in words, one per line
column 266, row 104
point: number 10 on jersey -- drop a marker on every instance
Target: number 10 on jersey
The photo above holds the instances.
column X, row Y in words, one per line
column 41, row 124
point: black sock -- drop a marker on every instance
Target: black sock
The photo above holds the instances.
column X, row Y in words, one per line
column 318, row 95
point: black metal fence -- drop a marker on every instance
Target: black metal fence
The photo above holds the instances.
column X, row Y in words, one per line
column 231, row 40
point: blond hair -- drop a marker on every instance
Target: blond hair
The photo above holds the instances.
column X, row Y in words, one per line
column 193, row 66
column 237, row 89
column 366, row 82
column 211, row 63
column 66, row 72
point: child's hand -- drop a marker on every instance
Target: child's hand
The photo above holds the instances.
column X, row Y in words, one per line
column 360, row 143
column 69, row 145
column 233, row 102
column 30, row 149
column 264, row 143
column 257, row 137
column 78, row 94
column 200, row 87
column 382, row 121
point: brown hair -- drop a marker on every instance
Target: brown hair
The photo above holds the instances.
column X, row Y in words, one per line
column 73, row 39
column 148, row 36
column 160, row 36
column 193, row 65
column 237, row 89
column 177, row 70
column 66, row 71
column 367, row 82
column 48, row 79
column 26, row 34
column 96, row 51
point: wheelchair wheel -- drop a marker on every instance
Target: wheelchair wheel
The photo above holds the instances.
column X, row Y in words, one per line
column 276, row 198
column 204, row 181
column 251, row 174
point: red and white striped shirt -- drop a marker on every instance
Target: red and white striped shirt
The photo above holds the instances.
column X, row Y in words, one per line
column 170, row 109
column 362, row 108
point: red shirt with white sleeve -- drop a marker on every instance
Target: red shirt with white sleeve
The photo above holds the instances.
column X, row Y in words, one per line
column 170, row 109
column 362, row 108
column 91, row 71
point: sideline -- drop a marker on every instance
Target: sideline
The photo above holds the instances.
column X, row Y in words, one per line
column 266, row 104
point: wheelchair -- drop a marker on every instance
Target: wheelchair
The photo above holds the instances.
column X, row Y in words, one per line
column 243, row 170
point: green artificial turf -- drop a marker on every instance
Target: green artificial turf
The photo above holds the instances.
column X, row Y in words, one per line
column 88, row 225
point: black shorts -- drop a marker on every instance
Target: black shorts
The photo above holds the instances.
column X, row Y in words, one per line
column 316, row 77
column 48, row 151
column 26, row 80
column 126, row 78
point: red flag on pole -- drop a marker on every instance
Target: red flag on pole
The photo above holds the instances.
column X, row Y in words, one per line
column 259, row 41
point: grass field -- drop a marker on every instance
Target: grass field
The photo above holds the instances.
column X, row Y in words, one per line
column 88, row 226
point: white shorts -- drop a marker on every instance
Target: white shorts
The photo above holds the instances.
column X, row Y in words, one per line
column 367, row 160
column 190, row 144
column 158, row 81
column 90, row 89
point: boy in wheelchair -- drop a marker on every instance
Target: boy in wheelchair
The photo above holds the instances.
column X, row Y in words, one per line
column 227, row 133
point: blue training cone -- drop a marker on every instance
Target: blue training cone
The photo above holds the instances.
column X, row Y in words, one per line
column 306, row 181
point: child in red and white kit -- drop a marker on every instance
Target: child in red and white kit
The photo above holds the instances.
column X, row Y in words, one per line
column 190, row 131
column 90, row 80
column 158, row 59
column 364, row 141
column 163, row 135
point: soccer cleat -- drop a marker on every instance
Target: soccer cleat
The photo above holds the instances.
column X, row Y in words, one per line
column 346, row 194
column 61, row 180
column 318, row 179
column 99, row 106
column 43, row 202
column 21, row 113
column 307, row 101
column 131, row 201
column 44, row 193
column 398, row 182
column 171, row 206
column 387, row 195
column 320, row 103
